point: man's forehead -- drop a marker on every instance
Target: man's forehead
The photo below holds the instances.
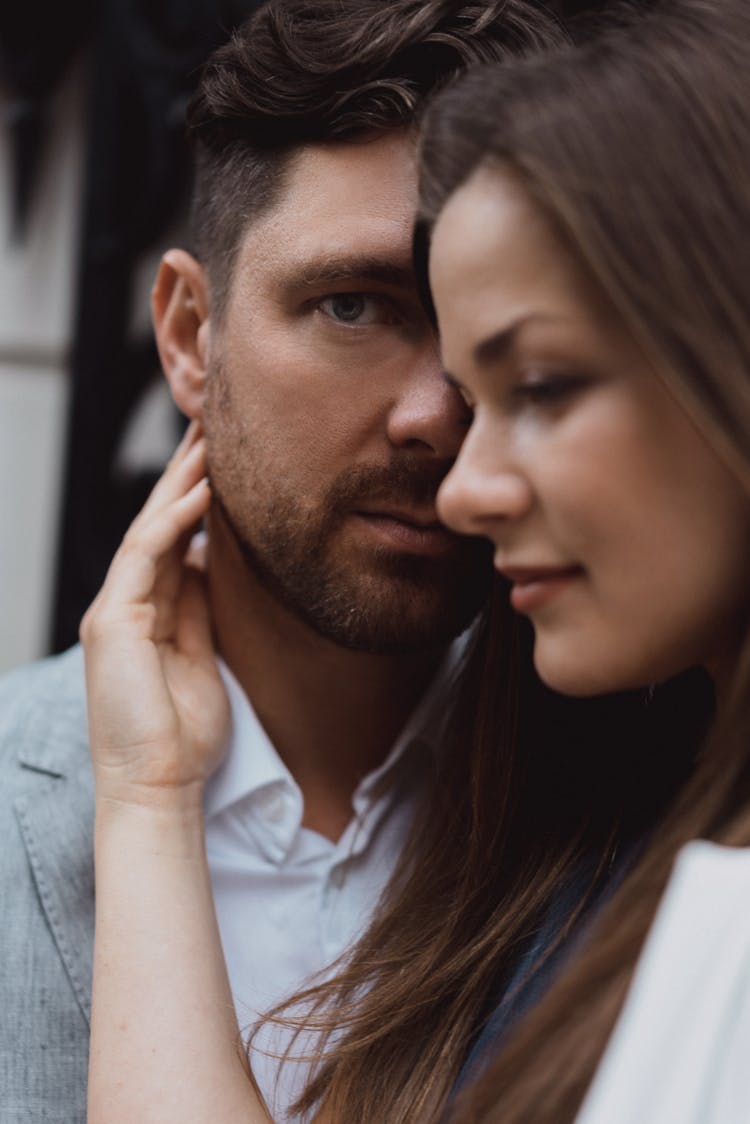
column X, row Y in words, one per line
column 346, row 210
column 322, row 164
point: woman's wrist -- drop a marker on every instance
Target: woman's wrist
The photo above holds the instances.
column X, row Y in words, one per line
column 169, row 821
column 114, row 790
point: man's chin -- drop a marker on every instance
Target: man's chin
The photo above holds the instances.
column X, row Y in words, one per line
column 363, row 593
column 394, row 613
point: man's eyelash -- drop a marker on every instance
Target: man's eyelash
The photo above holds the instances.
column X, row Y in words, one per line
column 353, row 297
column 375, row 307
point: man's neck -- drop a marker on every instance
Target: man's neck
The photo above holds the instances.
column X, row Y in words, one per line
column 332, row 714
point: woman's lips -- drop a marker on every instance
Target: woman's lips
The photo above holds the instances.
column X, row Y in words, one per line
column 534, row 587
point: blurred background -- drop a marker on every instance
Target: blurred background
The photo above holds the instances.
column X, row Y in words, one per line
column 94, row 182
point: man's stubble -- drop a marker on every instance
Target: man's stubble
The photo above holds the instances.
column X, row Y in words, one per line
column 366, row 598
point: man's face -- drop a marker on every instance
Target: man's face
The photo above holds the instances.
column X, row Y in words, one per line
column 329, row 427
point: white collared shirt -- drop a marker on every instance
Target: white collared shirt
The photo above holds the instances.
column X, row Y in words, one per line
column 288, row 900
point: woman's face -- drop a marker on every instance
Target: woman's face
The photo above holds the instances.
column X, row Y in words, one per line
column 626, row 540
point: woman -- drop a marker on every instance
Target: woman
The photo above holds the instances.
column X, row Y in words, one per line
column 589, row 263
column 532, row 830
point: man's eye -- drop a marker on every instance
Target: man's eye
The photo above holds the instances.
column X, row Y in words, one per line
column 354, row 308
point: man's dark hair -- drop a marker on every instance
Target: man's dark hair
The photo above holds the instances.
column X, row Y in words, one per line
column 309, row 71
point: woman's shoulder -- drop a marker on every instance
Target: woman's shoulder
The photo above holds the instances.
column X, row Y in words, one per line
column 679, row 1050
column 709, row 884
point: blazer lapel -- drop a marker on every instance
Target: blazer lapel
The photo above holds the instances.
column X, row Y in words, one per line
column 56, row 817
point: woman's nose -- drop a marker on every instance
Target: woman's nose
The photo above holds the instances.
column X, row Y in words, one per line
column 483, row 489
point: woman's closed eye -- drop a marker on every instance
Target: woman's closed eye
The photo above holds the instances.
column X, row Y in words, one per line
column 548, row 389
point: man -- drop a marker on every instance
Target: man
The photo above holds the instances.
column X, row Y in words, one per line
column 296, row 337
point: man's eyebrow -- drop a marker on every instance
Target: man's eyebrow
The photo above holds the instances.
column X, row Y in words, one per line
column 346, row 268
column 497, row 346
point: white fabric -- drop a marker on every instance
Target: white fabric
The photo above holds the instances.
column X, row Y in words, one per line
column 289, row 901
column 680, row 1053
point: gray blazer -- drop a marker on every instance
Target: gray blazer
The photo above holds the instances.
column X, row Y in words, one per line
column 46, row 891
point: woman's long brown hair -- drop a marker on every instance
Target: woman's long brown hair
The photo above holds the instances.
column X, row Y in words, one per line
column 638, row 149
column 529, row 785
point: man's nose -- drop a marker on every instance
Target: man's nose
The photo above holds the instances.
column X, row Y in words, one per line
column 428, row 414
column 485, row 489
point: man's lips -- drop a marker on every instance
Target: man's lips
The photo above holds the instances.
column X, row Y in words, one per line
column 535, row 586
column 415, row 531
column 427, row 520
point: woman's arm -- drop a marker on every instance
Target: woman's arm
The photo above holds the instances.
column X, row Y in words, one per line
column 164, row 1040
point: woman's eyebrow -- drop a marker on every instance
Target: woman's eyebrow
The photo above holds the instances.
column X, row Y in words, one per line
column 496, row 347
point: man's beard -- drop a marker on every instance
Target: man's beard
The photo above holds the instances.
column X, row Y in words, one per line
column 375, row 600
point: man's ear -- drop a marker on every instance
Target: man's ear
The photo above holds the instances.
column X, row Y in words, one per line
column 179, row 307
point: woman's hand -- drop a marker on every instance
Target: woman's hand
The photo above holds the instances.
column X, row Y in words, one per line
column 165, row 1047
column 158, row 711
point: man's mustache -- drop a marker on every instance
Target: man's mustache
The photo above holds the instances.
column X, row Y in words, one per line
column 407, row 481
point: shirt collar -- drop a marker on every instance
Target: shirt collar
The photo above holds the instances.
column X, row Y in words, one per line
column 251, row 762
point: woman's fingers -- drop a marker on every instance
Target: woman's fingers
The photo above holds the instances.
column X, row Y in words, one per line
column 149, row 544
column 161, row 530
column 188, row 465
column 158, row 711
column 147, row 570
